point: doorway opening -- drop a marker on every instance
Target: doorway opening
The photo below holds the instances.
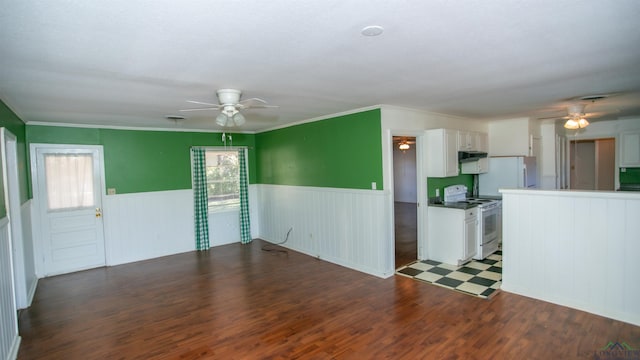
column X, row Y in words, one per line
column 405, row 200
column 592, row 164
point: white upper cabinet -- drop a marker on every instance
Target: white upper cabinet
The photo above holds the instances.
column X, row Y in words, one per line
column 466, row 140
column 475, row 167
column 442, row 153
column 630, row 149
column 472, row 141
column 482, row 142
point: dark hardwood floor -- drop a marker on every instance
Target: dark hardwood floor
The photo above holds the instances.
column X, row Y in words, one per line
column 238, row 302
column 406, row 233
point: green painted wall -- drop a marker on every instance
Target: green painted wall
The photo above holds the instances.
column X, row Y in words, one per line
column 434, row 183
column 630, row 176
column 12, row 122
column 142, row 161
column 340, row 152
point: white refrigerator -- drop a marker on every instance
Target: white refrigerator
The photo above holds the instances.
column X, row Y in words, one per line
column 508, row 172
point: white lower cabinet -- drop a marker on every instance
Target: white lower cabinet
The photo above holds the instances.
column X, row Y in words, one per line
column 452, row 234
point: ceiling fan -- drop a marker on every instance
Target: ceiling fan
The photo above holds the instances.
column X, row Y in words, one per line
column 403, row 142
column 576, row 118
column 230, row 107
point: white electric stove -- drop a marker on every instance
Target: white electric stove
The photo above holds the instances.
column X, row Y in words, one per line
column 489, row 218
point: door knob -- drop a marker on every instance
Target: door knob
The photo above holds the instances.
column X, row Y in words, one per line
column 98, row 212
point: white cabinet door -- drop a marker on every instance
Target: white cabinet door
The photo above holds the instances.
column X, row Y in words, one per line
column 442, row 153
column 470, row 237
column 630, row 149
column 473, row 141
column 451, row 153
column 482, row 142
column 464, row 140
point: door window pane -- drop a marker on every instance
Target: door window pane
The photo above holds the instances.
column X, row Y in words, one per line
column 69, row 180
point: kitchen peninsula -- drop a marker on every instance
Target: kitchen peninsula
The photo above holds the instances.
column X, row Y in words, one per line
column 574, row 248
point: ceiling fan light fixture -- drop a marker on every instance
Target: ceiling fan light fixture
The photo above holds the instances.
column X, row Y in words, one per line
column 571, row 124
column 222, row 119
column 583, row 123
column 238, row 119
column 576, row 123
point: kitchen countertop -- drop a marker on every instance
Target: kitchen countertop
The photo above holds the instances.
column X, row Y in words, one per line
column 452, row 205
column 436, row 202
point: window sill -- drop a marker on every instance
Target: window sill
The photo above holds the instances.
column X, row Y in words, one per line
column 224, row 209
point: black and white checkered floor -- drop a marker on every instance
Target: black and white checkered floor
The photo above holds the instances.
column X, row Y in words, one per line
column 479, row 278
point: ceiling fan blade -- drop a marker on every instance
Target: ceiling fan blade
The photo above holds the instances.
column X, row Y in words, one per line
column 554, row 117
column 200, row 109
column 202, row 103
column 598, row 114
column 254, row 103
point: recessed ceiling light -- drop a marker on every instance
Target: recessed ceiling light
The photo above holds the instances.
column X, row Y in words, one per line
column 373, row 30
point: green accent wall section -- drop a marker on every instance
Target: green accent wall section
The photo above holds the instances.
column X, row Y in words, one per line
column 434, row 183
column 630, row 176
column 11, row 121
column 340, row 152
column 139, row 160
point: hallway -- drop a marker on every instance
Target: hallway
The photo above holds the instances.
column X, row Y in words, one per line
column 406, row 233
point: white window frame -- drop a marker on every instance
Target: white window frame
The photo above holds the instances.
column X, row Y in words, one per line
column 231, row 207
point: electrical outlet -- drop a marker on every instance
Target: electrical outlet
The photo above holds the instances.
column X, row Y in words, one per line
column 111, row 191
column 374, row 186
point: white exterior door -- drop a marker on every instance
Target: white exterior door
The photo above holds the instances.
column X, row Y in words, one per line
column 68, row 189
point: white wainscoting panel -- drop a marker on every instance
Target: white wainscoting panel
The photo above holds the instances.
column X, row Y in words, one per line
column 224, row 227
column 9, row 339
column 574, row 248
column 28, row 250
column 254, row 211
column 342, row 226
column 147, row 225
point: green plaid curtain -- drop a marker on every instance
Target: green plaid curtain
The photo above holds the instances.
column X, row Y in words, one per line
column 245, row 224
column 200, row 198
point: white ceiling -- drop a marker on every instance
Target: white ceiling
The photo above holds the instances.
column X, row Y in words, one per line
column 132, row 62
